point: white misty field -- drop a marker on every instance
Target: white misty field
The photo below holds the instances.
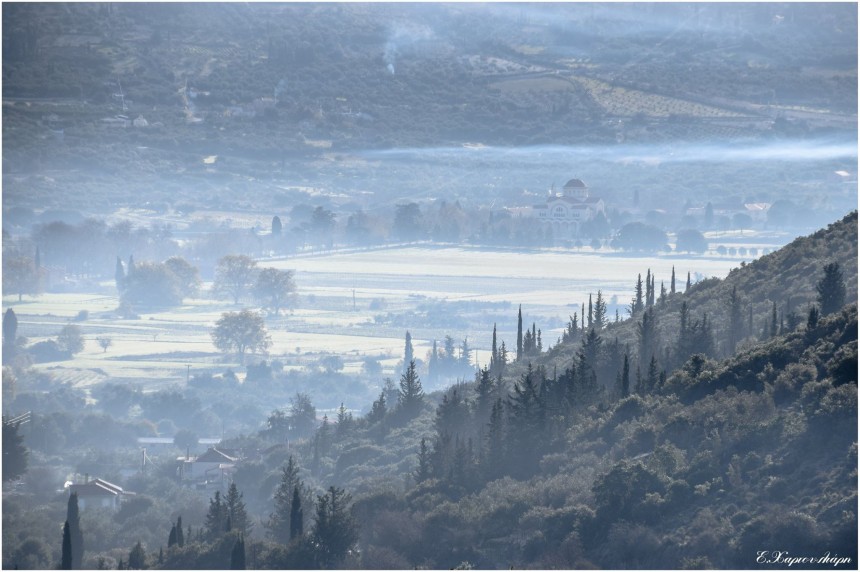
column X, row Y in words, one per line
column 356, row 305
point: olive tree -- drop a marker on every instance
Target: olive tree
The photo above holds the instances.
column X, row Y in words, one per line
column 240, row 332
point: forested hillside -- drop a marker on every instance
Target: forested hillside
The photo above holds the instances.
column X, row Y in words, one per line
column 592, row 454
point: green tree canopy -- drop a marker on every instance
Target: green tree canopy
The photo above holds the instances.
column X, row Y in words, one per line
column 241, row 332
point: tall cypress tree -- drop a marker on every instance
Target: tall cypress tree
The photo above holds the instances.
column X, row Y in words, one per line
column 689, row 283
column 649, row 291
column 520, row 333
column 297, row 515
column 237, row 555
column 119, row 275
column 408, row 353
column 735, row 320
column 494, row 354
column 74, row 520
column 625, row 377
column 590, row 312
column 672, row 287
column 180, row 536
column 66, row 558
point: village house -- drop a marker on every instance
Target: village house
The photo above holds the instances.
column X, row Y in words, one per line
column 566, row 212
column 213, row 466
column 99, row 493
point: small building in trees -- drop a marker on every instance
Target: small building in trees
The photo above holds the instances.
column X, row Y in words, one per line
column 212, row 466
column 565, row 213
column 99, row 493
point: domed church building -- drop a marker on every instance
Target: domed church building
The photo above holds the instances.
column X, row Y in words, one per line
column 566, row 212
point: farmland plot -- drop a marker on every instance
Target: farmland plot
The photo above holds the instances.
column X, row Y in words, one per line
column 357, row 305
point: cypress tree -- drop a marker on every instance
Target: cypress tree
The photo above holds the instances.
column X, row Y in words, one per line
column 625, row 377
column 180, row 537
column 494, row 355
column 237, row 555
column 408, row 354
column 735, row 325
column 812, row 318
column 773, row 321
column 137, row 557
column 74, row 520
column 672, row 287
column 663, row 293
column 520, row 333
column 119, row 275
column 534, row 338
column 583, row 318
column 66, row 558
column 688, row 283
column 649, row 291
column 297, row 515
column 171, row 538
column 130, row 269
column 590, row 312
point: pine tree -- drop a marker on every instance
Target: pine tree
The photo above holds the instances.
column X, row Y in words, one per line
column 408, row 353
column 653, row 374
column 378, row 410
column 422, row 471
column 216, row 518
column 638, row 303
column 334, row 531
column 234, row 506
column 494, row 459
column 66, row 558
column 831, row 289
column 280, row 520
column 297, row 515
column 672, row 286
column 411, row 393
column 74, row 520
column 484, row 393
column 520, row 333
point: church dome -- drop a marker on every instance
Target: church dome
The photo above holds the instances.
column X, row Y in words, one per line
column 574, row 184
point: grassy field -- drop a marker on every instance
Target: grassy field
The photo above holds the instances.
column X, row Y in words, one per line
column 355, row 305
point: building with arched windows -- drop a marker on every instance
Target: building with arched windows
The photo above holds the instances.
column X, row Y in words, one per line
column 565, row 213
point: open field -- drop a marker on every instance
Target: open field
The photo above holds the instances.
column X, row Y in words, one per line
column 355, row 305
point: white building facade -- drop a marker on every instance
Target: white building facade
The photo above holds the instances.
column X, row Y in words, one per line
column 565, row 213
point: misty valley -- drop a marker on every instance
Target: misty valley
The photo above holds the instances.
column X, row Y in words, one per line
column 429, row 286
